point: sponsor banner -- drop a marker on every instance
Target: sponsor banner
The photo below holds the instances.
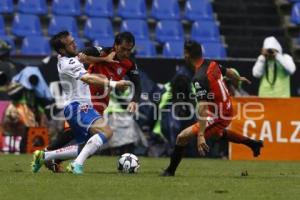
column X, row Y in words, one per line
column 276, row 121
column 3, row 105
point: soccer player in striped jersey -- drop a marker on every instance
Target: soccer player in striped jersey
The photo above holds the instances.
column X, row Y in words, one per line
column 214, row 107
column 88, row 125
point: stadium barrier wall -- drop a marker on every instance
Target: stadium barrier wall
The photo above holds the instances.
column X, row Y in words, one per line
column 276, row 121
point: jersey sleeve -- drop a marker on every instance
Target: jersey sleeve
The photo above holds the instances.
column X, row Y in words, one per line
column 133, row 75
column 74, row 68
column 134, row 69
column 201, row 88
column 223, row 70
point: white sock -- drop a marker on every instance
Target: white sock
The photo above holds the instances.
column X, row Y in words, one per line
column 63, row 153
column 92, row 145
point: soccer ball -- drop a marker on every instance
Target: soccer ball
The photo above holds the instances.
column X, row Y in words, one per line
column 128, row 163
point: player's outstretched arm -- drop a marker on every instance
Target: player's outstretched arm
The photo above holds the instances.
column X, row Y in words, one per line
column 99, row 81
column 234, row 76
column 83, row 58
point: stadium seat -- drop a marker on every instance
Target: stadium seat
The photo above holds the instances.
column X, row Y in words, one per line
column 6, row 6
column 195, row 10
column 69, row 7
column 60, row 23
column 79, row 43
column 104, row 42
column 137, row 27
column 2, row 26
column 145, row 48
column 213, row 50
column 173, row 49
column 295, row 15
column 205, row 30
column 167, row 30
column 162, row 9
column 98, row 27
column 26, row 24
column 35, row 45
column 38, row 7
column 10, row 42
column 95, row 9
column 132, row 9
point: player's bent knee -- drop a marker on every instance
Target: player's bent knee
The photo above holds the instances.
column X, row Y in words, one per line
column 108, row 133
column 105, row 130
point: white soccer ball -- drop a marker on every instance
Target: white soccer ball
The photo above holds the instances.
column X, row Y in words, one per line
column 128, row 163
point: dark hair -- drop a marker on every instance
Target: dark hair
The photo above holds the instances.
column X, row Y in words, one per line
column 56, row 42
column 91, row 51
column 193, row 48
column 124, row 36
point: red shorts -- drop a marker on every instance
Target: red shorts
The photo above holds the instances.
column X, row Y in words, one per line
column 214, row 128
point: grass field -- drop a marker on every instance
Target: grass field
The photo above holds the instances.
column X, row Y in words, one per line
column 195, row 179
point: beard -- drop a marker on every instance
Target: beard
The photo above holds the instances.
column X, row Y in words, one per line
column 71, row 54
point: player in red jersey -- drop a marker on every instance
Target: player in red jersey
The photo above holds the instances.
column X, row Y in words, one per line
column 125, row 66
column 214, row 107
column 114, row 63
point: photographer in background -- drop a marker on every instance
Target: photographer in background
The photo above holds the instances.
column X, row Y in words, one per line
column 8, row 69
column 274, row 69
column 27, row 92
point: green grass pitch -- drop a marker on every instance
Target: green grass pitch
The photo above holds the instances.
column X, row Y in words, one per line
column 195, row 179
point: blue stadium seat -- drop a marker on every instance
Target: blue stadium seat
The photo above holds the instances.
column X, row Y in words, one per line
column 10, row 42
column 145, row 48
column 35, row 45
column 104, row 42
column 165, row 9
column 2, row 26
column 6, row 6
column 132, row 9
column 173, row 49
column 98, row 27
column 205, row 30
column 198, row 9
column 66, row 7
column 95, row 9
column 26, row 24
column 60, row 23
column 167, row 30
column 137, row 27
column 79, row 43
column 213, row 50
column 295, row 15
column 38, row 7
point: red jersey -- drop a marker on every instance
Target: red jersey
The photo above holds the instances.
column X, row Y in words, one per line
column 113, row 71
column 209, row 86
